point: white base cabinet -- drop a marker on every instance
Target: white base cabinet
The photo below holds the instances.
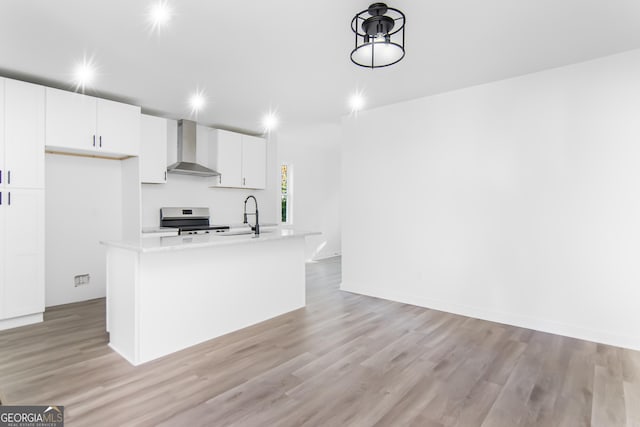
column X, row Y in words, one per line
column 240, row 159
column 149, row 315
column 82, row 124
column 21, row 253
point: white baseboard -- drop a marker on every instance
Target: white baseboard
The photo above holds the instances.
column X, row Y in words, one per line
column 16, row 322
column 121, row 354
column 513, row 319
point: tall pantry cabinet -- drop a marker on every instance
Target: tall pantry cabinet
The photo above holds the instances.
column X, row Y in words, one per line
column 22, row 134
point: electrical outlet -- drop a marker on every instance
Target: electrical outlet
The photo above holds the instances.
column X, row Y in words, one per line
column 81, row 279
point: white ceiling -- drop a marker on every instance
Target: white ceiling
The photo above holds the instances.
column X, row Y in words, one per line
column 293, row 55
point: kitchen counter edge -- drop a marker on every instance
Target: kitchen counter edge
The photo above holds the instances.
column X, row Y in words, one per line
column 173, row 243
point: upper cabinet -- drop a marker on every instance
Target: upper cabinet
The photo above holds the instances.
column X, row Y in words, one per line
column 240, row 159
column 22, row 147
column 225, row 157
column 153, row 149
column 71, row 120
column 83, row 124
column 118, row 127
column 254, row 162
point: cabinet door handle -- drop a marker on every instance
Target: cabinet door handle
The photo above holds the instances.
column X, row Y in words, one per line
column 9, row 198
column 244, row 181
column 8, row 177
column 165, row 175
column 100, row 140
column 94, row 140
column 0, row 198
column 0, row 176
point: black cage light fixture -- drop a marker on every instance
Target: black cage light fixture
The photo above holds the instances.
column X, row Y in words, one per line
column 379, row 34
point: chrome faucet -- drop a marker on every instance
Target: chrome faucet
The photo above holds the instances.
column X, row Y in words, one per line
column 255, row 228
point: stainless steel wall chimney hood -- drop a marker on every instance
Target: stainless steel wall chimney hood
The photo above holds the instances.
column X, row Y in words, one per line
column 186, row 163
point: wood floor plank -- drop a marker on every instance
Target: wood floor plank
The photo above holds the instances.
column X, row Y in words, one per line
column 608, row 398
column 574, row 403
column 412, row 406
column 511, row 406
column 632, row 403
column 344, row 359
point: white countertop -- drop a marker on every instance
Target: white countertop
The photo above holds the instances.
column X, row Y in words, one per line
column 173, row 243
column 233, row 227
column 155, row 230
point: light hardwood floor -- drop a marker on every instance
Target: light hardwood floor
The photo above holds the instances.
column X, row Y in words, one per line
column 345, row 359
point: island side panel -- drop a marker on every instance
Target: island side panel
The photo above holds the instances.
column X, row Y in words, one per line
column 122, row 275
column 190, row 296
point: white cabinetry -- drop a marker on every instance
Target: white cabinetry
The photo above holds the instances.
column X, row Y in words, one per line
column 71, row 120
column 22, row 238
column 83, row 124
column 118, row 127
column 22, row 108
column 22, row 164
column 254, row 162
column 225, row 156
column 153, row 149
column 240, row 159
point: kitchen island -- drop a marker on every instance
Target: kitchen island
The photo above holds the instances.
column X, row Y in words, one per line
column 165, row 294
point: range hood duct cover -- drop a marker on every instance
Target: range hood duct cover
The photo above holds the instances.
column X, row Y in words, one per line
column 186, row 164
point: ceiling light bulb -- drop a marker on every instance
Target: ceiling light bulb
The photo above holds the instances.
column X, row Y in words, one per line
column 356, row 102
column 84, row 74
column 270, row 122
column 197, row 101
column 160, row 14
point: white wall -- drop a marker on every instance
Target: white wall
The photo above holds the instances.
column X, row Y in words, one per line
column 83, row 205
column 313, row 152
column 516, row 201
column 226, row 204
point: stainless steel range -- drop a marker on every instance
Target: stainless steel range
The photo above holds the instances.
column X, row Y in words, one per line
column 189, row 220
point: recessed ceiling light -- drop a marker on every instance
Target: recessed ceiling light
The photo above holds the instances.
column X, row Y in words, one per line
column 270, row 122
column 197, row 101
column 356, row 102
column 159, row 14
column 84, row 74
